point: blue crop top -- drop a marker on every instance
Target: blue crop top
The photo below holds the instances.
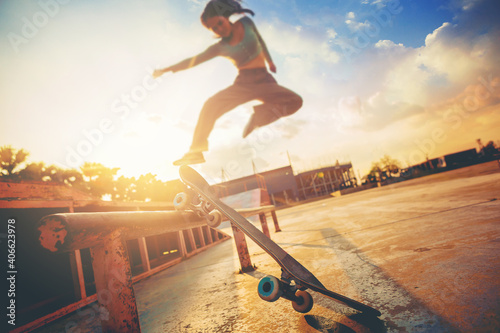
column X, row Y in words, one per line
column 245, row 51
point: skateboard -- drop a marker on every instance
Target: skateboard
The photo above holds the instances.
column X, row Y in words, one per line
column 295, row 278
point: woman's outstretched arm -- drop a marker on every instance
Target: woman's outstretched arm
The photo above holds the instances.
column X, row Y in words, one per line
column 209, row 53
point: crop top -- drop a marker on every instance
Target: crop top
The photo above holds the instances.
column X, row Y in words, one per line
column 240, row 54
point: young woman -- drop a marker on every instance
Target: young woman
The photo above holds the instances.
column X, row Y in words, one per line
column 242, row 44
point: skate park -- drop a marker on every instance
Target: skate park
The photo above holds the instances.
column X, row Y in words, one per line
column 359, row 138
column 424, row 252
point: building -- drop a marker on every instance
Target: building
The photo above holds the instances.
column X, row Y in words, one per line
column 284, row 187
column 448, row 162
column 278, row 185
column 324, row 181
column 461, row 159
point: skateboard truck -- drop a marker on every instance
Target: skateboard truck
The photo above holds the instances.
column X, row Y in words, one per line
column 193, row 201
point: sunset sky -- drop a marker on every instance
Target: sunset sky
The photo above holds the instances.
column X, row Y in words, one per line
column 409, row 79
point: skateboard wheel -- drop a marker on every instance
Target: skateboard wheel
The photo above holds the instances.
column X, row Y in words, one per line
column 214, row 219
column 270, row 288
column 305, row 304
column 181, row 201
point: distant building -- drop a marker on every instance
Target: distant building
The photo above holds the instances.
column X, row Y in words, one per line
column 279, row 184
column 323, row 181
column 284, row 187
column 461, row 159
column 448, row 162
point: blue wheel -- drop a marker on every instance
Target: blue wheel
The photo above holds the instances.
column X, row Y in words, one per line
column 270, row 288
column 181, row 201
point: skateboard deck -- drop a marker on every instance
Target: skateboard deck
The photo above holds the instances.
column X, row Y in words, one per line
column 271, row 288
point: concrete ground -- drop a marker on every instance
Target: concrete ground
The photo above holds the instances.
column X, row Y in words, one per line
column 424, row 252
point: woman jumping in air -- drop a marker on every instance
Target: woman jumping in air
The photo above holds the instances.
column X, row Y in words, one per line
column 242, row 44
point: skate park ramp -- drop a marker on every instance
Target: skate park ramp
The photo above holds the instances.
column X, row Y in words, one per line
column 425, row 252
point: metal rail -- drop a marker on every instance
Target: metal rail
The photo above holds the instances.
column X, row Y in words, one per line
column 106, row 235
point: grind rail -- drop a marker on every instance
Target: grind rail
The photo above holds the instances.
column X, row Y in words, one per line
column 106, row 235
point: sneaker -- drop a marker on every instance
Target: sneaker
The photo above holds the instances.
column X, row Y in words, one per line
column 200, row 148
column 251, row 125
column 190, row 158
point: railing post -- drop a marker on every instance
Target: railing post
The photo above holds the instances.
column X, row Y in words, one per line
column 182, row 243
column 208, row 232
column 192, row 242
column 275, row 220
column 263, row 222
column 75, row 260
column 113, row 280
column 143, row 250
column 242, row 248
column 200, row 234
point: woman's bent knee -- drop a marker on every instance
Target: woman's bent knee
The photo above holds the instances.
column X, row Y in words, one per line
column 294, row 105
column 298, row 103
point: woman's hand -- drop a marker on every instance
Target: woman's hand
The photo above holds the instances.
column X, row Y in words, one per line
column 159, row 72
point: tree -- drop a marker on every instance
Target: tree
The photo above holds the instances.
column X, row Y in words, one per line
column 390, row 165
column 92, row 178
column 10, row 160
column 124, row 189
column 33, row 172
column 490, row 150
column 386, row 167
column 99, row 180
column 374, row 173
column 71, row 177
column 148, row 188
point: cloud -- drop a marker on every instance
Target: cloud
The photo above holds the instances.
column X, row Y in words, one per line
column 331, row 33
column 197, row 2
column 465, row 50
column 288, row 127
column 380, row 3
column 389, row 83
column 155, row 118
column 356, row 26
column 388, row 45
column 306, row 55
column 474, row 97
column 463, row 5
column 371, row 115
column 131, row 134
column 284, row 39
column 454, row 65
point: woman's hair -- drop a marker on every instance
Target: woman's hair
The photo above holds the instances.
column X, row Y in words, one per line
column 224, row 8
